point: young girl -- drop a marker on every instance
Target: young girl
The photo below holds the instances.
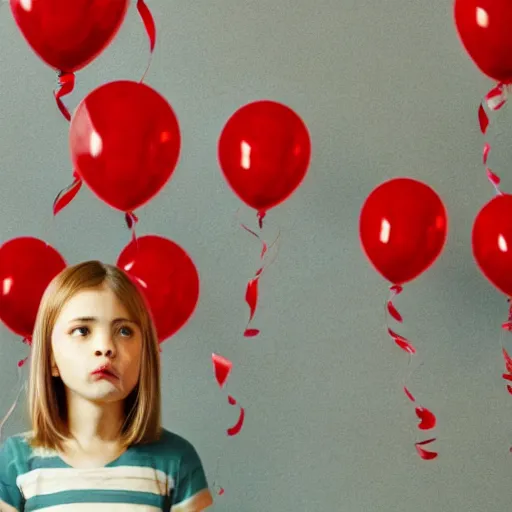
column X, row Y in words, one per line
column 94, row 403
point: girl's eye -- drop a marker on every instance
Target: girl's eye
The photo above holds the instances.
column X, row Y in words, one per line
column 126, row 332
column 80, row 331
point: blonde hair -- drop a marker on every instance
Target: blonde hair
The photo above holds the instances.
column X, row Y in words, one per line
column 47, row 405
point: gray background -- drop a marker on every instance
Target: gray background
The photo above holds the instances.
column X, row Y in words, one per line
column 386, row 90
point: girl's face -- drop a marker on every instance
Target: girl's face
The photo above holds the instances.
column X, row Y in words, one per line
column 92, row 330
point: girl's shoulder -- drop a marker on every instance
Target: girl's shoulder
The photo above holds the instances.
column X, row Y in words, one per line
column 17, row 445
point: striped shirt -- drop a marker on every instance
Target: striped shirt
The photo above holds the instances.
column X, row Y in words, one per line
column 145, row 478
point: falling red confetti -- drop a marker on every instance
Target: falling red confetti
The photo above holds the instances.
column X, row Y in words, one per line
column 394, row 312
column 222, row 368
column 409, row 395
column 235, row 429
column 402, row 342
column 427, row 418
column 405, row 345
column 493, row 178
column 508, row 360
column 483, row 119
column 485, row 153
column 251, row 297
column 425, row 454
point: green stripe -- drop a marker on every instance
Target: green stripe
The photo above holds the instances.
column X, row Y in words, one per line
column 95, row 496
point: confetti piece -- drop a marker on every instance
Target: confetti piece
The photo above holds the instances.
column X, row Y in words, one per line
column 251, row 295
column 425, row 454
column 493, row 178
column 496, row 97
column 409, row 395
column 402, row 342
column 483, row 119
column 426, row 417
column 394, row 312
column 485, row 153
column 405, row 345
column 234, row 430
column 508, row 360
column 222, row 368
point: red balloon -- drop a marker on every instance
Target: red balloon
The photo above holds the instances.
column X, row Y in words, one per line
column 492, row 239
column 69, row 34
column 484, row 27
column 167, row 277
column 264, row 153
column 125, row 143
column 27, row 265
column 403, row 228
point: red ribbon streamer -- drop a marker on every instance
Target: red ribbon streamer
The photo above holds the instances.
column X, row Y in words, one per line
column 65, row 87
column 66, row 195
column 252, row 289
column 494, row 99
column 20, row 364
column 507, row 376
column 427, row 420
column 149, row 25
column 131, row 220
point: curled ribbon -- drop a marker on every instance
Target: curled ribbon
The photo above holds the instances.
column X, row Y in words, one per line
column 252, row 289
column 66, row 85
column 427, row 420
column 494, row 100
column 22, row 385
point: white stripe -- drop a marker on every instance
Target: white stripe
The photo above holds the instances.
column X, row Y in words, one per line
column 121, row 478
column 100, row 507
